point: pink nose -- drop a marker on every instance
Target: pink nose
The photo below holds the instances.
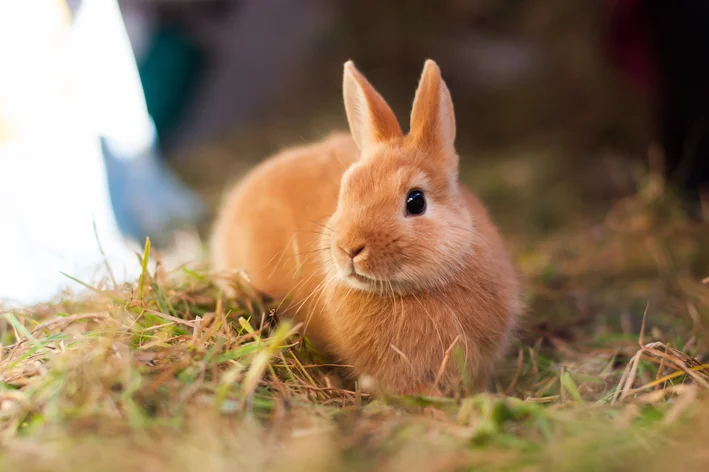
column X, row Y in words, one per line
column 353, row 251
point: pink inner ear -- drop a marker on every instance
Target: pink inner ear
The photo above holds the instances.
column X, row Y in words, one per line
column 432, row 116
column 371, row 119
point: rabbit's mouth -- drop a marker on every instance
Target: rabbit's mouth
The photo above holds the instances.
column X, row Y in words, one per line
column 361, row 278
column 367, row 283
column 359, row 281
column 383, row 287
column 355, row 274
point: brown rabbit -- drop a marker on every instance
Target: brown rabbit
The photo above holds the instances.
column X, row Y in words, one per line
column 380, row 251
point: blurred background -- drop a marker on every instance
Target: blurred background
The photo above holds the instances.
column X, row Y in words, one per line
column 562, row 105
column 582, row 94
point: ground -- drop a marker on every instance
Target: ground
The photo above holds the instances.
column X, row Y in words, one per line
column 607, row 372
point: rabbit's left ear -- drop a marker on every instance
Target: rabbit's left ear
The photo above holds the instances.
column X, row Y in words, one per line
column 370, row 118
column 432, row 116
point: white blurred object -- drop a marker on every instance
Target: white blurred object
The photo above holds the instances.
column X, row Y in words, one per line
column 63, row 84
column 106, row 78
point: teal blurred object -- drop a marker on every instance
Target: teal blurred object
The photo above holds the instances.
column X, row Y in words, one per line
column 169, row 73
column 147, row 198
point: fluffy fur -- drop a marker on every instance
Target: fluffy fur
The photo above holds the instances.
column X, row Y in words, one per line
column 325, row 226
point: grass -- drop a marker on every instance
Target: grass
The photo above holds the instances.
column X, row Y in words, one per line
column 609, row 371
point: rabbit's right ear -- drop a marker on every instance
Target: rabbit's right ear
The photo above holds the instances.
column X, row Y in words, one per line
column 370, row 118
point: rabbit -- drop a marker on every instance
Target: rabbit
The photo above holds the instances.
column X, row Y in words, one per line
column 375, row 246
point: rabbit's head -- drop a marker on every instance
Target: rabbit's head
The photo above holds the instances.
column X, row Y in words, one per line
column 401, row 223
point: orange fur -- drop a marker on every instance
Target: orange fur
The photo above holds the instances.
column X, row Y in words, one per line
column 325, row 226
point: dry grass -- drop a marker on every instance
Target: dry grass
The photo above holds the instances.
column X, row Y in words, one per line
column 609, row 372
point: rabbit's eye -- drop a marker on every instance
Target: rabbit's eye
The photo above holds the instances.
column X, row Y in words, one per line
column 415, row 203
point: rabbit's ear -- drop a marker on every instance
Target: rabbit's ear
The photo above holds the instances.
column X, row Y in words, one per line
column 432, row 116
column 370, row 118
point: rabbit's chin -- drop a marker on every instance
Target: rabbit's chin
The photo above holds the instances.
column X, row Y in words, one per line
column 361, row 283
column 367, row 284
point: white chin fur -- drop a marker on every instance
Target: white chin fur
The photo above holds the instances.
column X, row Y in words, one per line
column 356, row 284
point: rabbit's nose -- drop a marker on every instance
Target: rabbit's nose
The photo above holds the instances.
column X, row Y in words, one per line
column 353, row 251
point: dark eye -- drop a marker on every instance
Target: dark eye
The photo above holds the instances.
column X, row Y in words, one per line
column 415, row 203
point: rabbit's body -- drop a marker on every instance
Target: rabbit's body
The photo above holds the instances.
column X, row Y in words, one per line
column 271, row 223
column 381, row 277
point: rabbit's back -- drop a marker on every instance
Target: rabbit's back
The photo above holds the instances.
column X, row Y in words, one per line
column 271, row 223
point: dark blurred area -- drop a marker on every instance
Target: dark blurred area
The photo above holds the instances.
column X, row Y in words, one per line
column 229, row 81
column 141, row 113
